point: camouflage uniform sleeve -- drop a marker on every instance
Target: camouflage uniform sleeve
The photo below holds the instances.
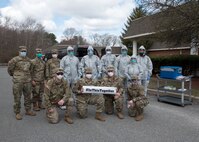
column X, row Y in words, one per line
column 77, row 87
column 11, row 66
column 47, row 68
column 141, row 91
column 67, row 91
column 98, row 82
column 32, row 67
column 47, row 94
column 128, row 94
column 120, row 86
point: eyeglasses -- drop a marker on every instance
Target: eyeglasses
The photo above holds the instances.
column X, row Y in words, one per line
column 23, row 51
column 60, row 73
column 110, row 71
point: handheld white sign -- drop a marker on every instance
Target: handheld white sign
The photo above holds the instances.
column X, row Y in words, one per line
column 99, row 90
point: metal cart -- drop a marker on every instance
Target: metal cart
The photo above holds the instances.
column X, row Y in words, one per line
column 174, row 99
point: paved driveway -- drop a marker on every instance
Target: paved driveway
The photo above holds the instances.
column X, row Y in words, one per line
column 162, row 123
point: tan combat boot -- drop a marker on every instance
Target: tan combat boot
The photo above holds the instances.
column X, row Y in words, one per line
column 41, row 106
column 120, row 115
column 30, row 113
column 99, row 116
column 139, row 117
column 18, row 116
column 68, row 119
column 36, row 107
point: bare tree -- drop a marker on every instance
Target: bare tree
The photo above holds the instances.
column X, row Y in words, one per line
column 13, row 34
column 70, row 33
column 104, row 39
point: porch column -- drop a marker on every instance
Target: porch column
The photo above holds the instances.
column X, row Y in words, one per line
column 134, row 48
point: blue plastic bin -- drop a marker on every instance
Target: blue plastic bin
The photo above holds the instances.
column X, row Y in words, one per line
column 170, row 72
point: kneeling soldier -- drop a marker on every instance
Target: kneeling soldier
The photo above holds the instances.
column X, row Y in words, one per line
column 113, row 81
column 136, row 99
column 57, row 94
column 85, row 99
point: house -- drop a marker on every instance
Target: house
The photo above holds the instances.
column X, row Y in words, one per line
column 144, row 29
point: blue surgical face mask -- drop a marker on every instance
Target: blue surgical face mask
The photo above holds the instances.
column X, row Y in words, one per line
column 124, row 52
column 71, row 53
column 39, row 55
column 22, row 54
column 133, row 61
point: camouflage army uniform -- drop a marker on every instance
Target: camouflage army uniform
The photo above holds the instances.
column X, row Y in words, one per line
column 51, row 66
column 56, row 90
column 83, row 100
column 110, row 99
column 38, row 68
column 135, row 93
column 20, row 69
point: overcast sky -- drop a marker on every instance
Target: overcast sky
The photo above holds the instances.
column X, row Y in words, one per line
column 90, row 16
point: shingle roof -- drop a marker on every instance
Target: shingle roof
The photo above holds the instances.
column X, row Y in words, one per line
column 141, row 27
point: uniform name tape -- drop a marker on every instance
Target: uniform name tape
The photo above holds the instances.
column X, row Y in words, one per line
column 99, row 90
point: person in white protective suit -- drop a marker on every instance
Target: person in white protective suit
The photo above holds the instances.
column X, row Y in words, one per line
column 133, row 69
column 71, row 66
column 107, row 60
column 122, row 61
column 91, row 61
column 146, row 65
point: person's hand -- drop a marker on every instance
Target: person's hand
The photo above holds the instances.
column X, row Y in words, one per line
column 117, row 95
column 33, row 83
column 50, row 110
column 61, row 102
column 130, row 104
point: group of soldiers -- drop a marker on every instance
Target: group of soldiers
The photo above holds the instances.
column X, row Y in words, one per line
column 56, row 83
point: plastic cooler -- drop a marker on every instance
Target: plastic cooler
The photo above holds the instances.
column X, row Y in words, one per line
column 170, row 72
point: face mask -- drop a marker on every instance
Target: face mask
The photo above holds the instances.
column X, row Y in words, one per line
column 141, row 54
column 54, row 55
column 124, row 53
column 71, row 53
column 22, row 54
column 60, row 76
column 108, row 52
column 133, row 61
column 90, row 53
column 88, row 76
column 110, row 74
column 39, row 55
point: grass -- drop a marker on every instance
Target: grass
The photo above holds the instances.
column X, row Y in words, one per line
column 153, row 85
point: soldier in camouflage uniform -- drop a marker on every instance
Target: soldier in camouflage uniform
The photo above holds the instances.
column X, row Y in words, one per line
column 20, row 69
column 83, row 100
column 38, row 68
column 113, row 81
column 52, row 65
column 136, row 99
column 57, row 93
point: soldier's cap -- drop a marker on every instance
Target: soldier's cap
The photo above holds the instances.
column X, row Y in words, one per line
column 59, row 70
column 22, row 48
column 133, row 77
column 55, row 51
column 88, row 70
column 110, row 68
column 38, row 50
